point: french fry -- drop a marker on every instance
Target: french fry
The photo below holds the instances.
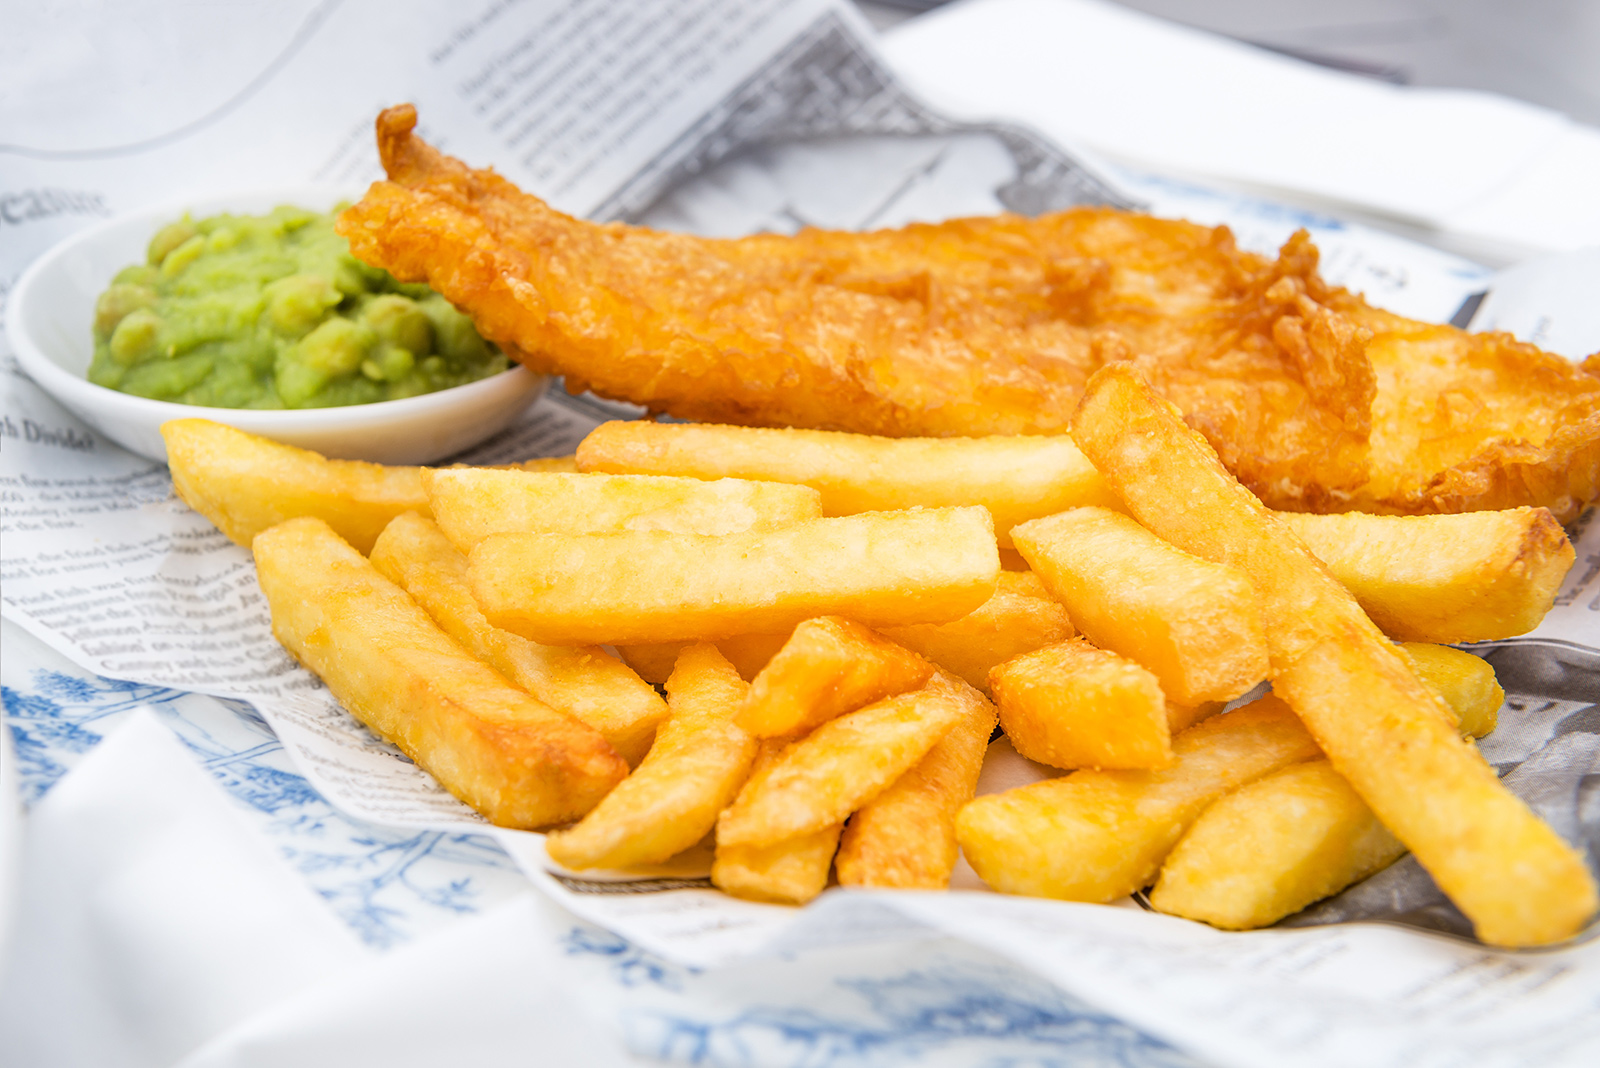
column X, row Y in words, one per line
column 882, row 569
column 549, row 463
column 1182, row 717
column 1466, row 683
column 1276, row 845
column 1513, row 876
column 1385, row 731
column 1071, row 705
column 471, row 503
column 1444, row 578
column 699, row 761
column 1019, row 618
column 653, row 662
column 749, row 653
column 1099, row 835
column 513, row 758
column 246, row 484
column 1195, row 624
column 906, row 836
column 1016, row 478
column 1273, row 847
column 585, row 682
column 819, row 780
column 1173, row 483
column 829, row 666
column 790, row 872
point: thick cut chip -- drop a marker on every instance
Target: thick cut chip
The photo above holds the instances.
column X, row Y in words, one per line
column 1386, row 732
column 1019, row 618
column 1074, row 706
column 749, row 653
column 819, row 780
column 512, row 757
column 653, row 662
column 471, row 503
column 829, row 666
column 790, row 872
column 1182, row 717
column 549, row 463
column 1194, row 623
column 245, row 484
column 1174, row 485
column 699, row 761
column 906, row 836
column 1513, row 876
column 881, row 569
column 1273, row 847
column 585, row 682
column 1016, row 478
column 1099, row 835
column 1466, row 683
column 1444, row 578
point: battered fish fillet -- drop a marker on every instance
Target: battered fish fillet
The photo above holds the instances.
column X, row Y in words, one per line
column 1314, row 399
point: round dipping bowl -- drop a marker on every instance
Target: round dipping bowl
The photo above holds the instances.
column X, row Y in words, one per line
column 49, row 323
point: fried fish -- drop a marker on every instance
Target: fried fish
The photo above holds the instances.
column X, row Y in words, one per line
column 1316, row 400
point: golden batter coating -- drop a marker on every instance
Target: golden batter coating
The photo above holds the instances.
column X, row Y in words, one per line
column 1314, row 399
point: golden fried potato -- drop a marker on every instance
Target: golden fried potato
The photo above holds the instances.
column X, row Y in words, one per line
column 245, row 484
column 1195, row 624
column 1466, row 683
column 1513, row 876
column 1386, row 732
column 1074, row 706
column 846, row 762
column 549, row 464
column 653, row 662
column 585, row 682
column 1271, row 848
column 1278, row 844
column 1098, row 835
column 513, row 758
column 699, row 761
column 471, row 503
column 1173, row 484
column 749, row 653
column 1444, row 578
column 906, row 836
column 881, row 569
column 790, row 872
column 1019, row 618
column 1182, row 717
column 829, row 666
column 1016, row 478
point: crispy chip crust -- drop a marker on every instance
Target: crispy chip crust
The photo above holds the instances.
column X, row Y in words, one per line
column 1098, row 835
column 585, row 682
column 980, row 326
column 244, row 484
column 1391, row 736
column 829, row 666
column 513, row 758
column 906, row 836
column 698, row 763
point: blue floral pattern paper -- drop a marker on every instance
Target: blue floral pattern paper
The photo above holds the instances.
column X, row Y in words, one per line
column 389, row 885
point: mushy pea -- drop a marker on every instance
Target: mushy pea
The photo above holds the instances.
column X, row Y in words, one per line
column 272, row 311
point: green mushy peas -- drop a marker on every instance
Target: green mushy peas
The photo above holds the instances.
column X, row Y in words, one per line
column 272, row 311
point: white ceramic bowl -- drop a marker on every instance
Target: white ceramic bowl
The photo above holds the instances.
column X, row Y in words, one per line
column 50, row 325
